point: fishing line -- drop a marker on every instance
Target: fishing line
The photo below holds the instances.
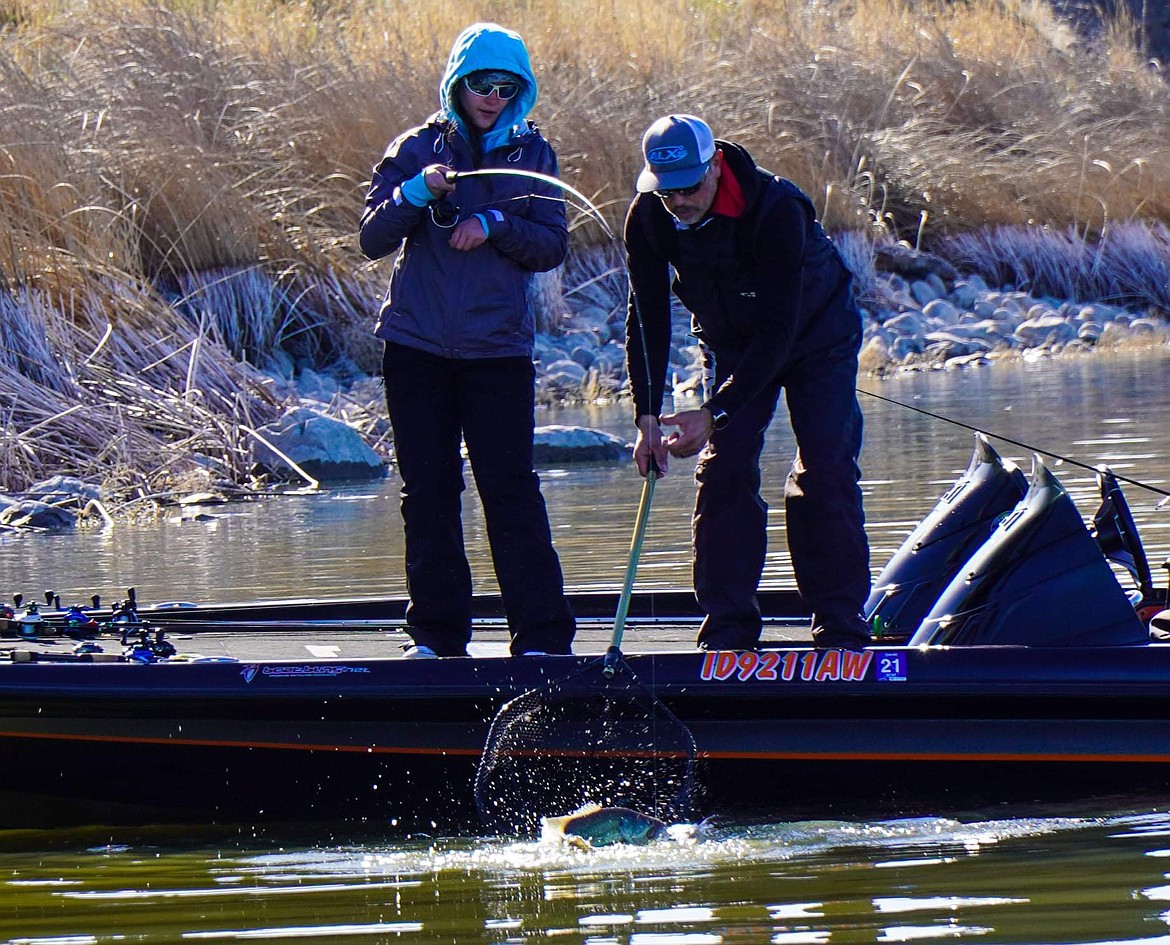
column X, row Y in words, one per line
column 613, row 654
column 1022, row 445
column 630, row 716
column 592, row 209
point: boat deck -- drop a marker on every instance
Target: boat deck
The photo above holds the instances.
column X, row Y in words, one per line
column 372, row 627
column 372, row 639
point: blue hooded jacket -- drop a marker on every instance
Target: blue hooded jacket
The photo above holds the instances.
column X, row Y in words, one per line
column 484, row 46
column 468, row 304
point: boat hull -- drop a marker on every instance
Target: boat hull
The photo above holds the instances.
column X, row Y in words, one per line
column 391, row 740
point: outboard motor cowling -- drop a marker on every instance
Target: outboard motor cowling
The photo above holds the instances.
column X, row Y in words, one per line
column 931, row 556
column 1039, row 580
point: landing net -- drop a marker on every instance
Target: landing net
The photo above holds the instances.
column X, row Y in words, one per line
column 585, row 739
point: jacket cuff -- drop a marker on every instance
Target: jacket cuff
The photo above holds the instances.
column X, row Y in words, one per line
column 416, row 191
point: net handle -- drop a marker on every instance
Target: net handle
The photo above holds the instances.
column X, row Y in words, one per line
column 613, row 654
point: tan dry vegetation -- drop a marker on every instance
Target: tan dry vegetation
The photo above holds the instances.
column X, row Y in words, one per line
column 181, row 179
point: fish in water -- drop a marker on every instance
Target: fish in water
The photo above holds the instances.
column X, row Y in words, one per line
column 596, row 826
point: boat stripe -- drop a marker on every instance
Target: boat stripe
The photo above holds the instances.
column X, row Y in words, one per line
column 704, row 755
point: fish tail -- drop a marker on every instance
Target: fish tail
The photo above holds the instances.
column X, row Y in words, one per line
column 553, row 828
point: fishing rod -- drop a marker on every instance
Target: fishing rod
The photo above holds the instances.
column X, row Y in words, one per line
column 1022, row 445
column 452, row 176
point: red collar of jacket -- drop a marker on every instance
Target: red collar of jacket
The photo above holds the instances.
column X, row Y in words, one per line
column 729, row 199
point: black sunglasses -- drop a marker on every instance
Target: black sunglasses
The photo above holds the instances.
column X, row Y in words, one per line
column 682, row 191
column 483, row 88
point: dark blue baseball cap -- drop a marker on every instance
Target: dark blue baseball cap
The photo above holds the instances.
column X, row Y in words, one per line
column 678, row 150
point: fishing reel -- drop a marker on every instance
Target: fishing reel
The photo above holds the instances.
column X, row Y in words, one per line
column 77, row 624
column 147, row 646
column 30, row 622
column 444, row 214
column 124, row 615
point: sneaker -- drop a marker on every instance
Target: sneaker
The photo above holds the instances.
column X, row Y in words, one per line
column 419, row 652
column 535, row 653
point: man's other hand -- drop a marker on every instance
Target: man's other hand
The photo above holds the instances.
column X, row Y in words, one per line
column 694, row 430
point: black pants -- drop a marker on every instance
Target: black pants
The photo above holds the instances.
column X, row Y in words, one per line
column 435, row 403
column 822, row 499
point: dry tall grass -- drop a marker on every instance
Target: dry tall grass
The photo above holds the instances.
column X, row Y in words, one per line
column 181, row 179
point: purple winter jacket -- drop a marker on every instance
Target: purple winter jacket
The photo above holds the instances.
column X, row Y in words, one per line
column 464, row 304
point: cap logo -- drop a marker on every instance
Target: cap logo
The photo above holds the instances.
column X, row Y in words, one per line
column 666, row 155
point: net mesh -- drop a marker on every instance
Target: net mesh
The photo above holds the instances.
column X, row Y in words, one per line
column 585, row 739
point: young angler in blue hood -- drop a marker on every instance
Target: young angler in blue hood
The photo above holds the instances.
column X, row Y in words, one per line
column 459, row 330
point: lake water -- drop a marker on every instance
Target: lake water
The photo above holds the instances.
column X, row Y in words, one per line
column 1097, row 872
column 1111, row 409
column 1035, row 877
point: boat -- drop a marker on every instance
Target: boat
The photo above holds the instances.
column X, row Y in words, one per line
column 1019, row 651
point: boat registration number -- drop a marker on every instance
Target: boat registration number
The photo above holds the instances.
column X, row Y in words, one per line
column 802, row 666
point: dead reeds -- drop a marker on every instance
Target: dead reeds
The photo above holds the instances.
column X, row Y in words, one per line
column 181, row 179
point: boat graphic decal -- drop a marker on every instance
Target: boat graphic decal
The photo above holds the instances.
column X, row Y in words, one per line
column 787, row 666
column 891, row 667
column 300, row 671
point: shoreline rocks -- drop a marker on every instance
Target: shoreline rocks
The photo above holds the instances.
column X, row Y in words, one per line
column 568, row 444
column 321, row 447
column 919, row 314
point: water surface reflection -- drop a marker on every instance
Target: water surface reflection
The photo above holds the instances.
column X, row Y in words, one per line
column 1037, row 878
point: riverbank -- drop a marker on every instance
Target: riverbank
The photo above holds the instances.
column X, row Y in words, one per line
column 1102, row 408
column 919, row 315
column 181, row 182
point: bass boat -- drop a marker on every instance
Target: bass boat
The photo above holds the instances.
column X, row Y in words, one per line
column 1018, row 651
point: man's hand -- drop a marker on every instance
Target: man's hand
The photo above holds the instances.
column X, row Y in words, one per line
column 694, row 430
column 649, row 443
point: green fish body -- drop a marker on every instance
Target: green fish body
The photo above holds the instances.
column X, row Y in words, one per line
column 595, row 826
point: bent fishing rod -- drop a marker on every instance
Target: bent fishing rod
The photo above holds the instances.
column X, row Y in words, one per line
column 1022, row 445
column 452, row 176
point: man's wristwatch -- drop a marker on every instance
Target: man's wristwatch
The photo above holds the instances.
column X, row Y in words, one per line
column 719, row 418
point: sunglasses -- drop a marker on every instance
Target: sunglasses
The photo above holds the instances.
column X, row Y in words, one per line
column 682, row 191
column 483, row 88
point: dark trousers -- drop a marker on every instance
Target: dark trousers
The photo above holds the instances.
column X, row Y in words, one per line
column 824, row 518
column 435, row 403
